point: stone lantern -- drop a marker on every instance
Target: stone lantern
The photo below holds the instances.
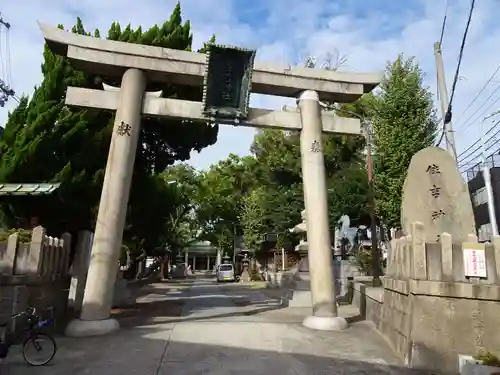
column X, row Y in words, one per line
column 302, row 247
column 245, row 262
column 226, row 259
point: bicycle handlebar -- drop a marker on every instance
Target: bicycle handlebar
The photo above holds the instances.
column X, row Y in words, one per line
column 29, row 311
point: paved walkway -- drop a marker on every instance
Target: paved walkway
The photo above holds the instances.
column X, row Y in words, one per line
column 205, row 328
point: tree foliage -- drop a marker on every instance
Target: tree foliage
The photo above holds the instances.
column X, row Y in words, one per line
column 46, row 141
column 220, row 195
column 404, row 122
column 279, row 200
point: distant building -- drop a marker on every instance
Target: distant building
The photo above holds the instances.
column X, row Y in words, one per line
column 201, row 256
column 479, row 197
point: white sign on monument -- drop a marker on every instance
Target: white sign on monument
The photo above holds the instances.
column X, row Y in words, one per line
column 474, row 260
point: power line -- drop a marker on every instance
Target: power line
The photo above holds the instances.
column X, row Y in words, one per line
column 480, row 92
column 443, row 26
column 466, row 160
column 468, row 123
column 475, row 162
column 448, row 115
column 479, row 140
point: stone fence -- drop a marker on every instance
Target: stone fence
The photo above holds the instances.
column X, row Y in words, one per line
column 428, row 309
column 34, row 274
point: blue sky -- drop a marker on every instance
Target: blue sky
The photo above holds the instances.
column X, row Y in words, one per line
column 367, row 32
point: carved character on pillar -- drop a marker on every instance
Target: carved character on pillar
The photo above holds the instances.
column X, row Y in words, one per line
column 124, row 129
column 315, row 147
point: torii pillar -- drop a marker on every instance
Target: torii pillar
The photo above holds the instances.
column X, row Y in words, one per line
column 324, row 316
column 95, row 315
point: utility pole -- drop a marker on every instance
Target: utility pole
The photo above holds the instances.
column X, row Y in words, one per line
column 5, row 90
column 377, row 272
column 443, row 99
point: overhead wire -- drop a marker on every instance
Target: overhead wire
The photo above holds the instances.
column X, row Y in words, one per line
column 479, row 93
column 477, row 141
column 443, row 26
column 477, row 159
column 483, row 148
column 471, row 120
column 448, row 114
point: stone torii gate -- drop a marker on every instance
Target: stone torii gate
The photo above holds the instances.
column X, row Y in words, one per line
column 228, row 75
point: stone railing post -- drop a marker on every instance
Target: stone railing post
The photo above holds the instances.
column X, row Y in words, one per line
column 446, row 256
column 8, row 261
column 65, row 245
column 49, row 254
column 79, row 269
column 35, row 257
column 496, row 249
column 407, row 257
column 419, row 260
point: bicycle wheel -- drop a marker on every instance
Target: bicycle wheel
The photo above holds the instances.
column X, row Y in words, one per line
column 39, row 349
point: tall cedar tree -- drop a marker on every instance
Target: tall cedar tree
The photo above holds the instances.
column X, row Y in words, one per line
column 46, row 141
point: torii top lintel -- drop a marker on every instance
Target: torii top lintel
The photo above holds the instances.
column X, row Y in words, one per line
column 112, row 58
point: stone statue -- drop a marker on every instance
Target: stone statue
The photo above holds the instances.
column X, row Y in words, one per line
column 345, row 222
column 343, row 233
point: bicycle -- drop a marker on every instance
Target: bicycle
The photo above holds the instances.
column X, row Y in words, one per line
column 33, row 338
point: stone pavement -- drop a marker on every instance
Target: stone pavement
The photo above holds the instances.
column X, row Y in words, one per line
column 205, row 328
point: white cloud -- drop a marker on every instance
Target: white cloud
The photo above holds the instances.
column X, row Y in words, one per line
column 368, row 33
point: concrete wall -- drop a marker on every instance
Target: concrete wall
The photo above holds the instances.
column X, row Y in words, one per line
column 34, row 274
column 429, row 311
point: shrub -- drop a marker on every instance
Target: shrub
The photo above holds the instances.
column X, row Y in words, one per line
column 488, row 359
column 24, row 235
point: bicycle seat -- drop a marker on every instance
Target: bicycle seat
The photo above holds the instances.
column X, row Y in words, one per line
column 3, row 325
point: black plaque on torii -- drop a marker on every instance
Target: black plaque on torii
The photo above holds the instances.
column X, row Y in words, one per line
column 227, row 83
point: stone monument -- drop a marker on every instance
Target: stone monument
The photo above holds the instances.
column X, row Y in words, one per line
column 435, row 194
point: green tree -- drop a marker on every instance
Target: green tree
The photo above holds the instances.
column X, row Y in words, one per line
column 251, row 218
column 278, row 153
column 404, row 122
column 220, row 197
column 181, row 227
column 46, row 141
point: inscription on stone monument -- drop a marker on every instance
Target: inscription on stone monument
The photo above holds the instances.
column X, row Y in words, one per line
column 435, row 191
column 435, row 194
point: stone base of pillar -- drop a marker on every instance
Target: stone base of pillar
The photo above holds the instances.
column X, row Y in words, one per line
column 323, row 323
column 87, row 328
